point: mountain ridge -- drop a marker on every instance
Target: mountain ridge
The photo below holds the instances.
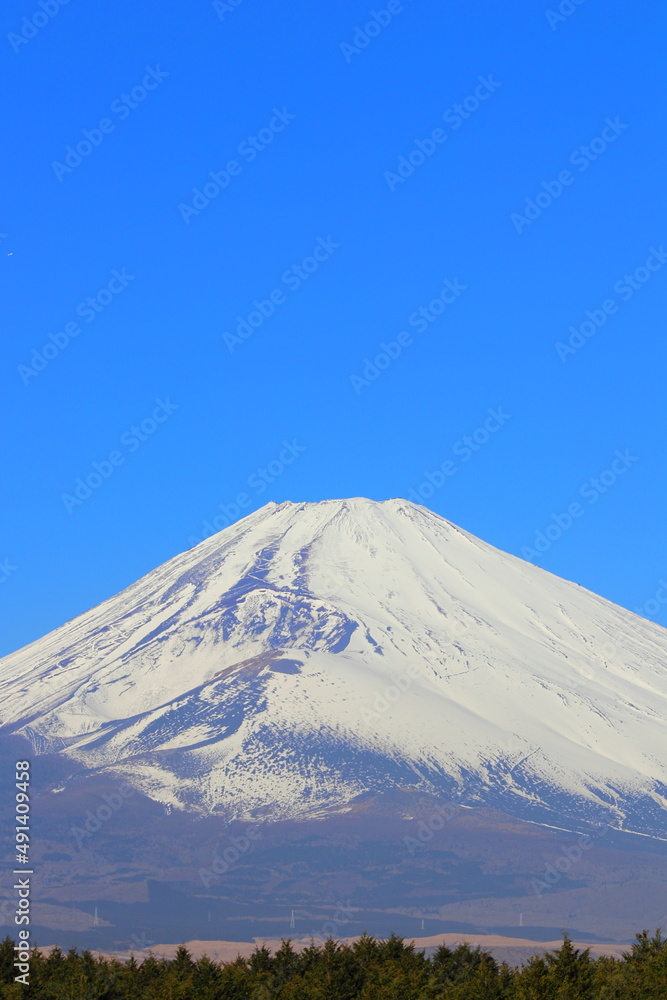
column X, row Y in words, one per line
column 313, row 653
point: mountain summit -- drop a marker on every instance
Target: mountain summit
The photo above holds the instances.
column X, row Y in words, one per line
column 316, row 653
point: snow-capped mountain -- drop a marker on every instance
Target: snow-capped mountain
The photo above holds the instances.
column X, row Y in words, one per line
column 317, row 652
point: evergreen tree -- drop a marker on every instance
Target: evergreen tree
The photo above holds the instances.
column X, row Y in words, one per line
column 367, row 970
column 7, row 960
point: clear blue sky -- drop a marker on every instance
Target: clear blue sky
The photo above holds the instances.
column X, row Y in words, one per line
column 303, row 113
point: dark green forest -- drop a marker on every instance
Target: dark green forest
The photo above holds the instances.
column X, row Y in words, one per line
column 369, row 969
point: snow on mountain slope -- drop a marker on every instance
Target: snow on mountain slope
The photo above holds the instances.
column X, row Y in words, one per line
column 315, row 652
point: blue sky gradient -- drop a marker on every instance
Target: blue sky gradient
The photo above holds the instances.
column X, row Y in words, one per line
column 215, row 216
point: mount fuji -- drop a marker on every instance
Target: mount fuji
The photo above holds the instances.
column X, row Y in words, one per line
column 313, row 655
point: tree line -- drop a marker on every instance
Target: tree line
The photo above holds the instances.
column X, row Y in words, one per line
column 368, row 969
